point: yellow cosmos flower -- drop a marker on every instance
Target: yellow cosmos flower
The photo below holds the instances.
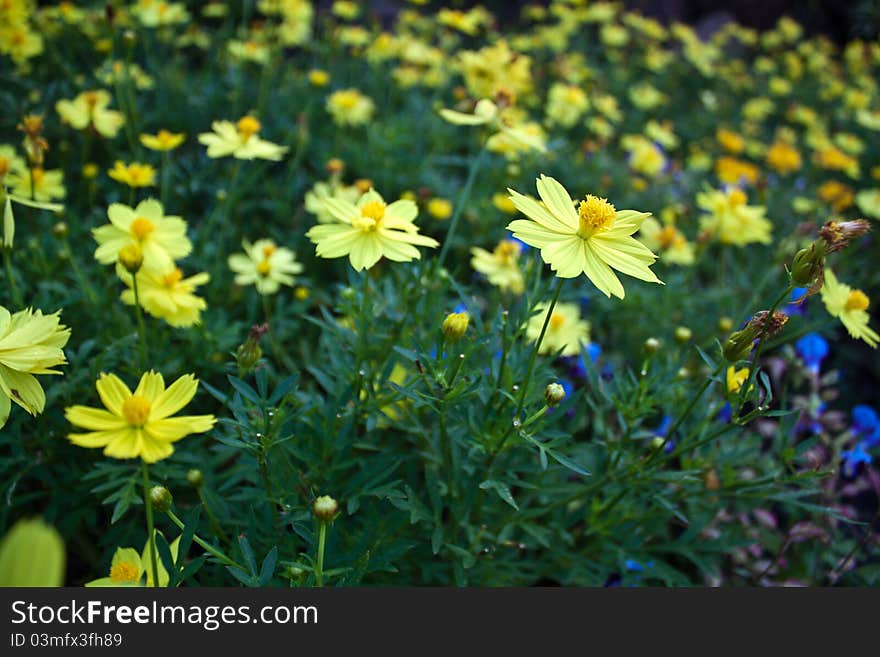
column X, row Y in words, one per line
column 850, row 307
column 736, row 378
column 167, row 294
column 501, row 266
column 128, row 568
column 38, row 184
column 162, row 239
column 783, row 157
column 369, row 230
column 566, row 330
column 350, row 107
column 513, row 134
column 590, row 240
column 668, row 240
column 134, row 174
column 265, row 265
column 163, row 140
column 138, row 424
column 90, row 109
column 731, row 220
column 240, row 140
column 30, row 343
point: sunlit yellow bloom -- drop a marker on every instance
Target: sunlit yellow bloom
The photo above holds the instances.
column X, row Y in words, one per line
column 644, row 155
column 134, row 174
column 566, row 104
column 319, row 78
column 19, row 42
column 157, row 13
column 850, row 307
column 138, row 424
column 240, row 140
column 834, row 159
column 566, row 330
column 166, row 294
column 30, row 343
column 265, row 265
column 503, row 203
column 350, row 107
column 90, row 109
column 314, row 200
column 590, row 240
column 495, row 68
column 163, row 140
column 501, row 266
column 672, row 245
column 369, row 230
column 512, row 137
column 838, row 195
column 249, row 51
column 731, row 219
column 161, row 238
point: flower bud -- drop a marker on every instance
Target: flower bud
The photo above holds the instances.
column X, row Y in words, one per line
column 325, row 508
column 650, row 346
column 739, row 344
column 131, row 257
column 60, row 229
column 808, row 264
column 195, row 478
column 724, row 324
column 455, row 325
column 32, row 554
column 160, row 498
column 554, row 393
column 683, row 335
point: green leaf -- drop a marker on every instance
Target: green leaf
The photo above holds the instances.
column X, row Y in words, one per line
column 502, row 489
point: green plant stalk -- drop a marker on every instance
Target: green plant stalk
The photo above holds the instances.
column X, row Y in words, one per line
column 166, row 174
column 77, row 272
column 210, row 549
column 151, row 532
column 10, row 276
column 459, row 206
column 142, row 332
column 215, row 525
column 319, row 564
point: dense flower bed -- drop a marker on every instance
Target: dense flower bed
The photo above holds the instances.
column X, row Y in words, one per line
column 580, row 300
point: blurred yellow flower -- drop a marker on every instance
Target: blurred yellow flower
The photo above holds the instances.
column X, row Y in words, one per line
column 163, row 140
column 90, row 109
column 38, row 184
column 439, row 208
column 134, row 174
column 731, row 220
column 369, row 230
column 265, row 265
column 350, row 107
column 166, row 294
column 240, row 140
column 501, row 266
column 850, row 307
column 668, row 240
column 30, row 343
column 566, row 331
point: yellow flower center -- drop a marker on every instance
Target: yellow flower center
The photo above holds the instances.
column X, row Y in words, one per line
column 737, row 197
column 247, row 127
column 136, row 410
column 268, row 250
column 263, row 268
column 372, row 213
column 173, row 278
column 5, row 165
column 667, row 237
column 506, row 252
column 124, row 571
column 164, row 138
column 38, row 175
column 141, row 228
column 556, row 321
column 857, row 300
column 594, row 214
column 91, row 98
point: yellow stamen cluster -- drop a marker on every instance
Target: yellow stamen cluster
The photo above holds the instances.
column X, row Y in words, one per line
column 247, row 127
column 594, row 214
column 124, row 571
column 737, row 197
column 857, row 300
column 141, row 228
column 173, row 278
column 264, row 268
column 136, row 410
column 556, row 320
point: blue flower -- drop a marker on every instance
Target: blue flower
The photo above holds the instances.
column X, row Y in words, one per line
column 812, row 348
column 799, row 308
column 460, row 308
column 662, row 430
column 866, row 423
column 852, row 458
column 725, row 413
column 523, row 247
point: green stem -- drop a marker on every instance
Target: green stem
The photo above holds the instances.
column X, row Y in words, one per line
column 13, row 286
column 151, row 532
column 215, row 525
column 142, row 333
column 166, row 173
column 77, row 272
column 210, row 549
column 525, row 387
column 319, row 565
column 459, row 206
